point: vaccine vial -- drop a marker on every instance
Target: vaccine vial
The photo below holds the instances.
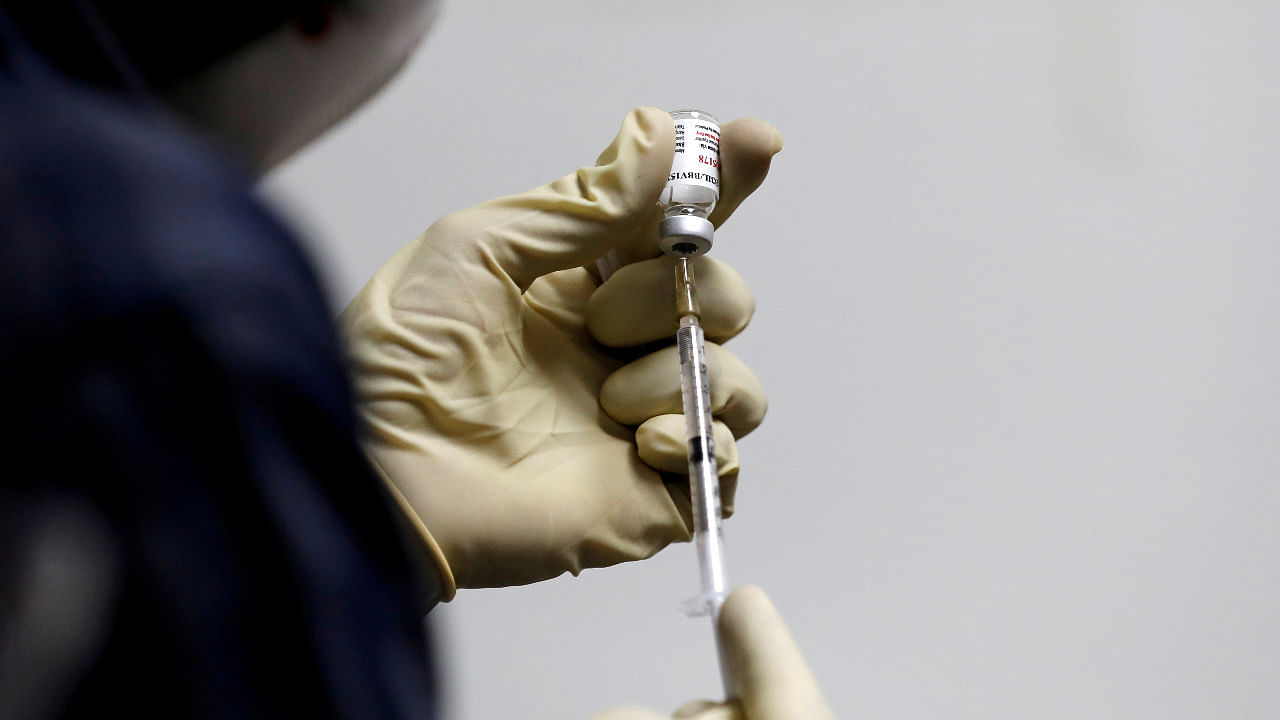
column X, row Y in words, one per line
column 693, row 187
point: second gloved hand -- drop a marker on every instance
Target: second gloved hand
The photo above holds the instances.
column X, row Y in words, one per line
column 770, row 677
column 480, row 385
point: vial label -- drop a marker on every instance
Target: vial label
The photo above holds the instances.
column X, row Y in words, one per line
column 697, row 158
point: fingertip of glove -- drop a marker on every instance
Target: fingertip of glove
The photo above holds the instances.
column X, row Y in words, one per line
column 755, row 136
column 653, row 120
column 648, row 129
column 745, row 601
column 768, row 672
column 660, row 447
column 775, row 143
column 639, row 158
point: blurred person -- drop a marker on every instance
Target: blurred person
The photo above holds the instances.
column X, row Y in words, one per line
column 192, row 524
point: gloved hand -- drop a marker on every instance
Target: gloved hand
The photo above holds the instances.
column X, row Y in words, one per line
column 480, row 384
column 771, row 679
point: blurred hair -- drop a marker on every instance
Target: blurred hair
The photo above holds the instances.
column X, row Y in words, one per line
column 122, row 44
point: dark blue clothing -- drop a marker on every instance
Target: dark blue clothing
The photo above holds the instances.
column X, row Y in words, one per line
column 167, row 357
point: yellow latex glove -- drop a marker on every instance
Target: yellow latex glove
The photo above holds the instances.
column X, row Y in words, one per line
column 480, row 383
column 771, row 679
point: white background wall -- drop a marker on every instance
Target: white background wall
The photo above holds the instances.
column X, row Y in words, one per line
column 1018, row 279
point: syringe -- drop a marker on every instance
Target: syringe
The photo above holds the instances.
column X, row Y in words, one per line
column 704, row 475
column 686, row 231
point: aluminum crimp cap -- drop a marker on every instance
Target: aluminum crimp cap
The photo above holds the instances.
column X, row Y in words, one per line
column 685, row 235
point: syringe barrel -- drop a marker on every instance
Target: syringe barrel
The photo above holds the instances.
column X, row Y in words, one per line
column 704, row 481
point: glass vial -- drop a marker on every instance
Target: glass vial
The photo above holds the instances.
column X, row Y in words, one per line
column 693, row 187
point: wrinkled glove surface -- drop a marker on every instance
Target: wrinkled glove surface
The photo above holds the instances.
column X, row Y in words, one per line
column 504, row 392
column 771, row 680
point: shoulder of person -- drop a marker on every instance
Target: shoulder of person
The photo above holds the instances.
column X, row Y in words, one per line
column 113, row 215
